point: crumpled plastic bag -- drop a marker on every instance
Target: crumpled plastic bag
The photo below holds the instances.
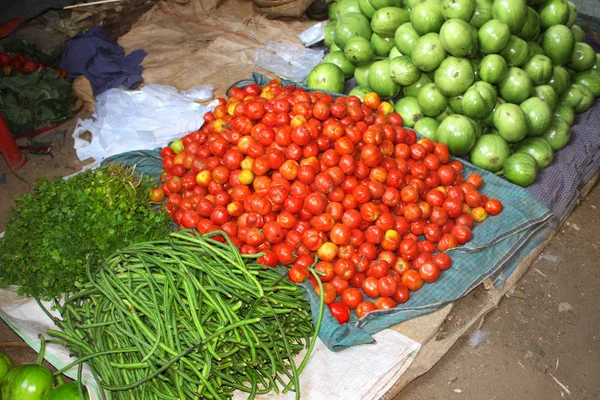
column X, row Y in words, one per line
column 314, row 34
column 127, row 120
column 288, row 61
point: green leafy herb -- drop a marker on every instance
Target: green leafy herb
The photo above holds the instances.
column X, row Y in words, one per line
column 29, row 101
column 55, row 230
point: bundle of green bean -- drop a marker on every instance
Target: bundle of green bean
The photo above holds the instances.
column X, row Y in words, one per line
column 188, row 318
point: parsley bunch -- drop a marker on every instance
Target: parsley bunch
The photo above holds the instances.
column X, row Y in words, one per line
column 62, row 225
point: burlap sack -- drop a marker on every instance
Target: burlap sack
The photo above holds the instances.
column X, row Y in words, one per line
column 208, row 41
column 293, row 9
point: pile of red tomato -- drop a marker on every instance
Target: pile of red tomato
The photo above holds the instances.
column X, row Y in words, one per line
column 20, row 65
column 294, row 174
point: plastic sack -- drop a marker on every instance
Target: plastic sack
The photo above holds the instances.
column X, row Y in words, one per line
column 288, row 61
column 144, row 119
column 314, row 34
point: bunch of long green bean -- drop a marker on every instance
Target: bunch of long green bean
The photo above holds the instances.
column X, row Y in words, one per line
column 187, row 318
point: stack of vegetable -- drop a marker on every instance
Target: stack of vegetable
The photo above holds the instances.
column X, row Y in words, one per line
column 296, row 174
column 35, row 381
column 486, row 77
column 188, row 317
column 61, row 226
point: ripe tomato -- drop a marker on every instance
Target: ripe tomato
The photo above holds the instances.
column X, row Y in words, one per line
column 298, row 273
column 447, row 175
column 429, row 271
column 285, row 253
column 329, row 292
column 365, row 307
column 479, row 214
column 352, row 297
column 328, row 251
column 402, row 294
column 315, row 203
column 339, row 284
column 442, row 260
column 461, row 233
column 371, row 155
column 344, row 269
column 493, row 207
column 313, row 238
column 475, row 179
column 327, row 269
column 340, row 311
column 387, row 286
column 189, row 219
column 453, row 206
column 157, row 195
column 340, row 234
column 372, row 100
column 269, row 259
column 273, row 232
column 412, row 280
column 385, row 303
column 409, row 249
column 447, row 242
column 370, row 287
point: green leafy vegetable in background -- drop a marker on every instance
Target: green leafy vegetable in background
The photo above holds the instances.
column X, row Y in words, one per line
column 55, row 230
column 29, row 101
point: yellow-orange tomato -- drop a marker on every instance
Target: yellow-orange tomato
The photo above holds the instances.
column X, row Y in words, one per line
column 372, row 100
column 247, row 163
column 328, row 251
column 219, row 125
column 297, row 121
column 203, row 178
column 246, row 177
column 385, row 108
column 479, row 214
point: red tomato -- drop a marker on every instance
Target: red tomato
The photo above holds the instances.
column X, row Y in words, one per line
column 402, row 294
column 329, row 292
column 344, row 269
column 157, row 195
column 429, row 271
column 285, row 253
column 340, row 311
column 340, row 284
column 269, row 259
column 461, row 233
column 378, row 269
column 447, row 242
column 493, row 207
column 340, row 234
column 364, row 308
column 327, row 269
column 475, row 179
column 298, row 273
column 385, row 303
column 352, row 297
column 387, row 286
column 412, row 280
column 442, row 260
column 409, row 249
column 453, row 206
column 370, row 286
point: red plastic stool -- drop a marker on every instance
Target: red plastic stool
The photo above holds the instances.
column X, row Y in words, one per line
column 9, row 149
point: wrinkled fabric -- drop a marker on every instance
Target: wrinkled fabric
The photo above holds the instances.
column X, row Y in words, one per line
column 102, row 61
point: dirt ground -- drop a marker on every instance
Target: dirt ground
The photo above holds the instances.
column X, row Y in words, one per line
column 543, row 340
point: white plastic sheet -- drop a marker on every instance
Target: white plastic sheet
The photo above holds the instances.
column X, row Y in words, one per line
column 288, row 61
column 127, row 120
column 362, row 372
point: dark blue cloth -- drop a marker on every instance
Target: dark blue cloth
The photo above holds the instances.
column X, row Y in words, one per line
column 102, row 61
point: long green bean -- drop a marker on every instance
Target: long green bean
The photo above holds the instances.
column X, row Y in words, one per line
column 188, row 317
